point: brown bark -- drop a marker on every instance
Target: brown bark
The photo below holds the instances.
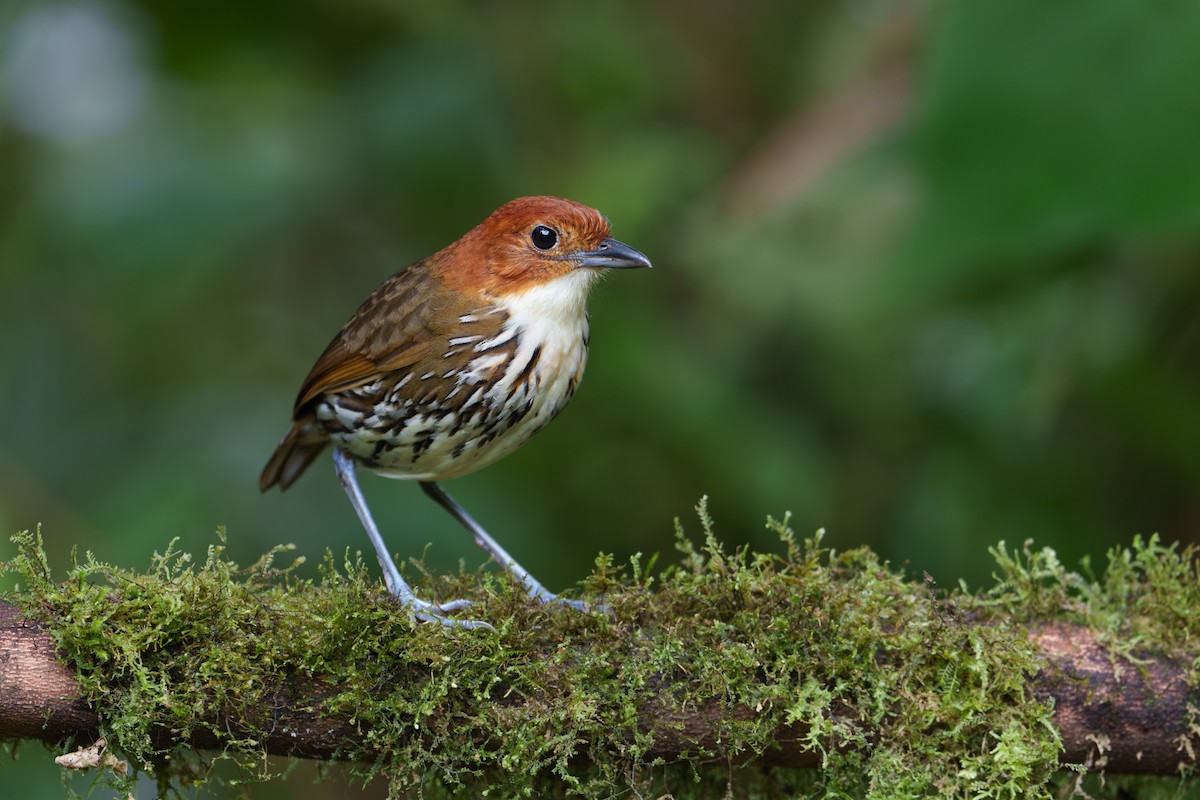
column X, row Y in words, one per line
column 1112, row 714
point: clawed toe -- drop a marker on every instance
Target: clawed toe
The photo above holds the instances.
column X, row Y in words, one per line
column 578, row 605
column 587, row 608
column 427, row 611
column 449, row 622
column 451, row 605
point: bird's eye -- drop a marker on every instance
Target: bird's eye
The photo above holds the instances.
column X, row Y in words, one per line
column 543, row 238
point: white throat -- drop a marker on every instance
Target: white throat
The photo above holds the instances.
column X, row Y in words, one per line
column 560, row 302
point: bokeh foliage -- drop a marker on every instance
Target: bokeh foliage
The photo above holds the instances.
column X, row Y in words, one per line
column 926, row 273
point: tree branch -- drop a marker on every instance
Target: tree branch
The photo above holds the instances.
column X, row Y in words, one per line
column 1111, row 713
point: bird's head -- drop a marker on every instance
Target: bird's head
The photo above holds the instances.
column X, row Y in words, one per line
column 531, row 242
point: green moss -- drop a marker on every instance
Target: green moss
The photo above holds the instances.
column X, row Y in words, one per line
column 1145, row 602
column 897, row 687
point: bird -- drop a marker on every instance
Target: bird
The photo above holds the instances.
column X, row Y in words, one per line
column 454, row 362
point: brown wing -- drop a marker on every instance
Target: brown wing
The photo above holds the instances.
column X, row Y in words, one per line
column 407, row 319
column 394, row 328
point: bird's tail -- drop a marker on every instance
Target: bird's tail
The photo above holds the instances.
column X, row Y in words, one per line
column 291, row 457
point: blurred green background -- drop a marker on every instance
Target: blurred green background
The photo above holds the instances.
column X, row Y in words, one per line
column 926, row 274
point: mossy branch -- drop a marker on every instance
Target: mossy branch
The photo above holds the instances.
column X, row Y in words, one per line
column 810, row 658
column 1111, row 713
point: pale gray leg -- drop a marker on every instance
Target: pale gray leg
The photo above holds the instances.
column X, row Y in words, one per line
column 484, row 540
column 423, row 609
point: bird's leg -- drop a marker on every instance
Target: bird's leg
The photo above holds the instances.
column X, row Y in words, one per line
column 484, row 540
column 423, row 609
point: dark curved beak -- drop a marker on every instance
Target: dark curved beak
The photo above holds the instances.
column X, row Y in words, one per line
column 612, row 254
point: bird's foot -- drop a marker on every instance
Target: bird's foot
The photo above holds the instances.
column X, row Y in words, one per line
column 546, row 597
column 426, row 611
column 418, row 604
column 587, row 608
column 450, row 622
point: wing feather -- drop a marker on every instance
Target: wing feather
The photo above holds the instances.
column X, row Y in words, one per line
column 406, row 324
column 394, row 328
